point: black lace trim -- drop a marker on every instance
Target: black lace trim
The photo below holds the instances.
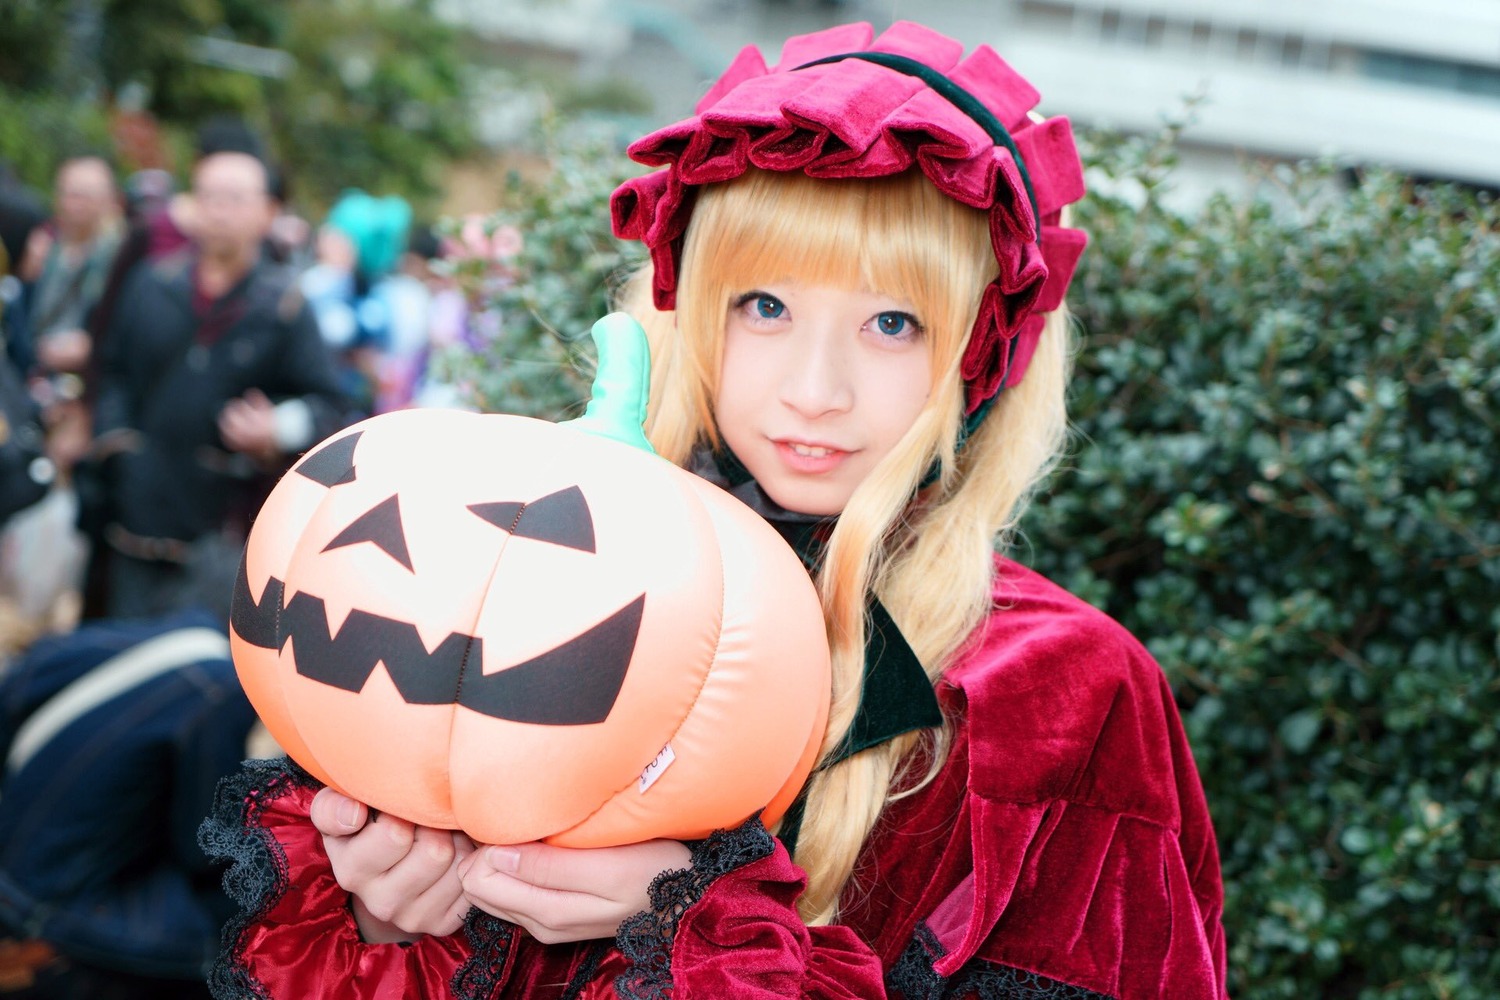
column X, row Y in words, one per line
column 984, row 981
column 646, row 938
column 490, row 938
column 257, row 875
column 914, row 978
column 584, row 974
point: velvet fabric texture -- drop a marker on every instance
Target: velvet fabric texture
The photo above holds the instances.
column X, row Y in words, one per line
column 857, row 119
column 1065, row 841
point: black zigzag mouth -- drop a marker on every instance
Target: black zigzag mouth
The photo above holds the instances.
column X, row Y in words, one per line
column 573, row 684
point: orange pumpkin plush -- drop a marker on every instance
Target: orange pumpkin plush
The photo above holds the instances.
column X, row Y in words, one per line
column 530, row 631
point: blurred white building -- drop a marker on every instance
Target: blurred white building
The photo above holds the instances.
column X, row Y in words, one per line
column 1414, row 84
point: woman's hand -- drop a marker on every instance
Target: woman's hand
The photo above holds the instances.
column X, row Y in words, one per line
column 567, row 894
column 403, row 878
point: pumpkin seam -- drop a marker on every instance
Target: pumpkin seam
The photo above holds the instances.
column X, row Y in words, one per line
column 473, row 634
column 697, row 695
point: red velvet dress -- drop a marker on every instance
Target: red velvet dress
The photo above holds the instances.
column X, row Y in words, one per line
column 1064, row 850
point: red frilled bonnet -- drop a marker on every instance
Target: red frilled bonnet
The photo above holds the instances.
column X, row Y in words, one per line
column 857, row 118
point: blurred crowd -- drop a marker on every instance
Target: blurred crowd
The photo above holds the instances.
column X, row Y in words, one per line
column 168, row 351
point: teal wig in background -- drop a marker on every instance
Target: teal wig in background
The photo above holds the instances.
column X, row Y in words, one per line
column 377, row 227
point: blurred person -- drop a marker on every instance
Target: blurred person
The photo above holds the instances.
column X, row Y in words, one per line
column 114, row 737
column 21, row 211
column 161, row 221
column 67, row 263
column 160, row 217
column 148, row 192
column 409, row 294
column 26, row 473
column 213, row 376
column 463, row 274
column 359, row 248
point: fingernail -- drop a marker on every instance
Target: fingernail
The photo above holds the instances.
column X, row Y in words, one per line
column 348, row 814
column 505, row 859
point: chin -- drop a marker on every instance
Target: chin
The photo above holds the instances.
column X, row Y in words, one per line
column 815, row 503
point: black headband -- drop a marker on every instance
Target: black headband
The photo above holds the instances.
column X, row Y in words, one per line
column 960, row 99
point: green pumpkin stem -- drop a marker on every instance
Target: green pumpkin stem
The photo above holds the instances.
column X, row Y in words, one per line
column 621, row 382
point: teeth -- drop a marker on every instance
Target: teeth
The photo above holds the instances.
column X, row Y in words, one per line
column 810, row 451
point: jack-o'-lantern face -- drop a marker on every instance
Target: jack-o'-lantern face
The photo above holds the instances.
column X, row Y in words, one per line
column 498, row 624
column 574, row 683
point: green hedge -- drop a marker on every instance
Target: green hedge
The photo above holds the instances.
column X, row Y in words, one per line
column 1286, row 481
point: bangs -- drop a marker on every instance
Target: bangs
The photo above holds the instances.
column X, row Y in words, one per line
column 876, row 234
column 896, row 236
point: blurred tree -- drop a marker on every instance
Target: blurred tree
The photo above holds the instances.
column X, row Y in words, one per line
column 31, row 37
column 353, row 93
column 378, row 98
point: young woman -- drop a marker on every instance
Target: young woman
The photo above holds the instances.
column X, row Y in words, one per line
column 858, row 266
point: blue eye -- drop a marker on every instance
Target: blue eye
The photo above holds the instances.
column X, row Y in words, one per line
column 768, row 307
column 894, row 324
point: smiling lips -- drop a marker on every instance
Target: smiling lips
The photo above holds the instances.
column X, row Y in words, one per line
column 809, row 459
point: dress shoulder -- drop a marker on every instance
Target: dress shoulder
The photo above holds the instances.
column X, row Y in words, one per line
column 1063, row 703
column 1095, row 862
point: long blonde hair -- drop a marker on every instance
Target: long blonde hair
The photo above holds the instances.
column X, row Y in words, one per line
column 930, row 562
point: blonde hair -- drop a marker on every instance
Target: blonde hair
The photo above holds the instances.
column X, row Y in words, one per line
column 930, row 562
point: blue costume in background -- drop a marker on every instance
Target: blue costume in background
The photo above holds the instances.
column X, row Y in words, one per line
column 114, row 739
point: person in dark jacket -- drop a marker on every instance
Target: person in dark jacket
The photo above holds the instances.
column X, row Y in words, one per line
column 212, row 377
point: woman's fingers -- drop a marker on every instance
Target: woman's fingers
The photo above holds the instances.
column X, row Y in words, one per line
column 563, row 894
column 337, row 815
column 403, row 877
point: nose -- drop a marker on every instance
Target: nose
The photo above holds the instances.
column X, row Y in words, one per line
column 817, row 376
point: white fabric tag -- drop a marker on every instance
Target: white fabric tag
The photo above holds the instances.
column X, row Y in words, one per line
column 656, row 767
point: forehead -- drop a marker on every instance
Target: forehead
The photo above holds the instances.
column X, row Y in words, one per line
column 230, row 172
column 79, row 175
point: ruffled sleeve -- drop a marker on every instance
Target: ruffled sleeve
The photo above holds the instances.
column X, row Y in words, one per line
column 1094, row 859
column 728, row 927
column 295, row 936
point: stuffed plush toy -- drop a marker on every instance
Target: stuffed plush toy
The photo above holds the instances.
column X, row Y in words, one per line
column 532, row 631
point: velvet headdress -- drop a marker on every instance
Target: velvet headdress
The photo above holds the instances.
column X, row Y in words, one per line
column 836, row 107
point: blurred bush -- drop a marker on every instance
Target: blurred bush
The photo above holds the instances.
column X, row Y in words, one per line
column 533, row 306
column 1287, row 483
column 39, row 131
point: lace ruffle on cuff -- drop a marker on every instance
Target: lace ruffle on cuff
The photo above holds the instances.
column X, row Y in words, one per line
column 490, row 938
column 257, row 875
column 646, row 939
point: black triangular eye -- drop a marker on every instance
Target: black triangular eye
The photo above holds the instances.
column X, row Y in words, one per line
column 501, row 515
column 562, row 518
column 332, row 464
column 381, row 525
